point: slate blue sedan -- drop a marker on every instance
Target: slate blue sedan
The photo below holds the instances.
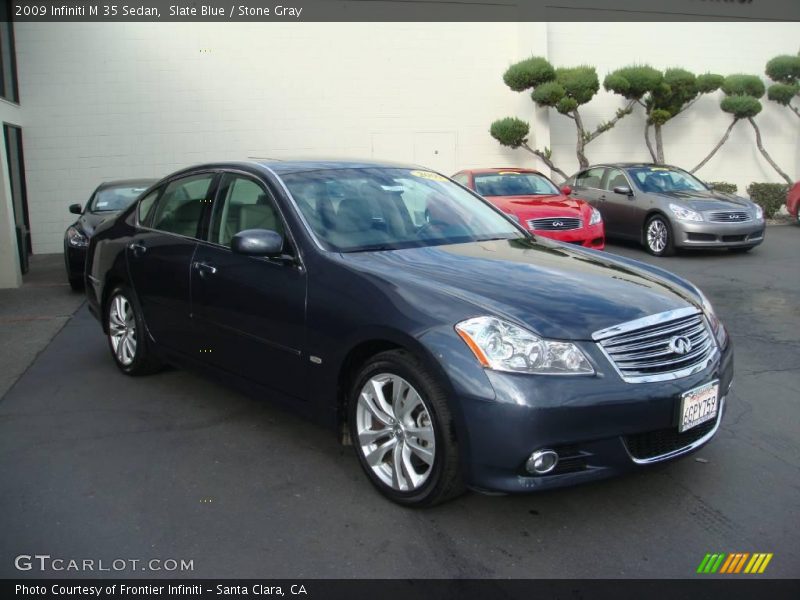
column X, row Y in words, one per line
column 449, row 346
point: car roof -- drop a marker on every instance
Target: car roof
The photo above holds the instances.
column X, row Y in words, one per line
column 281, row 166
column 500, row 170
column 145, row 181
column 630, row 165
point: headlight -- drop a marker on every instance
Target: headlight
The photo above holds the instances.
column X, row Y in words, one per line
column 759, row 213
column 76, row 238
column 716, row 325
column 596, row 217
column 685, row 214
column 502, row 346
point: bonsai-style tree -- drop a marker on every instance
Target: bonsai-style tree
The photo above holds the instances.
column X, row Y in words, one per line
column 663, row 96
column 741, row 101
column 566, row 90
column 785, row 72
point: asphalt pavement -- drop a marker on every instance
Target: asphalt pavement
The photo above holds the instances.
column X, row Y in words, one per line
column 95, row 465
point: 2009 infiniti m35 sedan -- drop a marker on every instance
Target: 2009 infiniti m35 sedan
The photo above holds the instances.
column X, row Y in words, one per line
column 451, row 347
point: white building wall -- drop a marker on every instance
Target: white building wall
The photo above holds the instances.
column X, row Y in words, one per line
column 113, row 100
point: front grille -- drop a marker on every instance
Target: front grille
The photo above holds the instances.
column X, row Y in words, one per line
column 645, row 446
column 729, row 216
column 664, row 346
column 555, row 224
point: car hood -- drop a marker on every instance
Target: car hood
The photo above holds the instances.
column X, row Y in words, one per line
column 556, row 291
column 539, row 206
column 89, row 221
column 709, row 200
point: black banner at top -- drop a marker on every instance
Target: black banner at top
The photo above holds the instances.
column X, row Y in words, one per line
column 404, row 10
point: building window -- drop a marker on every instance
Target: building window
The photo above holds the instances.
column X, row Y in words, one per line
column 8, row 56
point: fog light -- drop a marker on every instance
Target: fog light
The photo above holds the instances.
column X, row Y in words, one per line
column 542, row 462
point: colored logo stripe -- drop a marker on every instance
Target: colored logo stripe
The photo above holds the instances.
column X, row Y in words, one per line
column 735, row 563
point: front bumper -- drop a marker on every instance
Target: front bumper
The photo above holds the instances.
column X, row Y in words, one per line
column 590, row 236
column 718, row 235
column 600, row 425
column 75, row 261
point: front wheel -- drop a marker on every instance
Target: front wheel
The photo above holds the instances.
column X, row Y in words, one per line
column 658, row 236
column 402, row 430
column 127, row 338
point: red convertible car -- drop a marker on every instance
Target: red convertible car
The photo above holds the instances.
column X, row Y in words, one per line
column 534, row 200
column 793, row 202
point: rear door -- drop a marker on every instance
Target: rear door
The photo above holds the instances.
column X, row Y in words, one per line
column 250, row 310
column 160, row 254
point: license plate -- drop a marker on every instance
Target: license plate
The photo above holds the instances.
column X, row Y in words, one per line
column 699, row 405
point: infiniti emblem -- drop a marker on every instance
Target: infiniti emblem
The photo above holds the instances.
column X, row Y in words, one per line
column 680, row 344
column 558, row 224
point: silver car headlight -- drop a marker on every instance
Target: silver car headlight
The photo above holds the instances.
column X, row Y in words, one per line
column 596, row 217
column 502, row 346
column 759, row 213
column 685, row 214
column 720, row 333
column 76, row 238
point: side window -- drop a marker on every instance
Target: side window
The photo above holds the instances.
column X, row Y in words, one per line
column 590, row 178
column 242, row 204
column 615, row 178
column 461, row 178
column 181, row 206
column 145, row 208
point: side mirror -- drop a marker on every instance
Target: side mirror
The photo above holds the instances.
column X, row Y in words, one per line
column 75, row 209
column 566, row 190
column 257, row 242
column 624, row 190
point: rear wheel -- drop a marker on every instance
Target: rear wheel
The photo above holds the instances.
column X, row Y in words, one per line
column 402, row 430
column 658, row 236
column 127, row 338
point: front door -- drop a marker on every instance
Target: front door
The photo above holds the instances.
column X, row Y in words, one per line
column 160, row 254
column 619, row 209
column 250, row 310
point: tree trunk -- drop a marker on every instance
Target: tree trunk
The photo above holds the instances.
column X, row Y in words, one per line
column 659, row 145
column 718, row 146
column 546, row 159
column 766, row 154
column 581, row 144
column 794, row 109
column 647, row 140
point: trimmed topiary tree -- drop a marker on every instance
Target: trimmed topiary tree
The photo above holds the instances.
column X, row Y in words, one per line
column 566, row 89
column 741, row 101
column 784, row 70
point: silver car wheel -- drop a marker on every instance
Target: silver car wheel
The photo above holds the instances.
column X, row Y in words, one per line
column 122, row 329
column 395, row 432
column 657, row 236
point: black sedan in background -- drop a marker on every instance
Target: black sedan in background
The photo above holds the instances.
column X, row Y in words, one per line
column 664, row 208
column 107, row 200
column 450, row 346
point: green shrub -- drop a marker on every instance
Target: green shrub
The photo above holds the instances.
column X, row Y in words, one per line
column 633, row 82
column 723, row 186
column 548, row 93
column 743, row 85
column 511, row 132
column 784, row 69
column 580, row 83
column 741, row 107
column 709, row 82
column 529, row 73
column 769, row 196
column 783, row 93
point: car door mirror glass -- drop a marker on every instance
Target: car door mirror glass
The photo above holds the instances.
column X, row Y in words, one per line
column 624, row 190
column 257, row 242
column 75, row 209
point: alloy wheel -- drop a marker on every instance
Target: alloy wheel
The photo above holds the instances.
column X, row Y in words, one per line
column 657, row 236
column 395, row 432
column 122, row 329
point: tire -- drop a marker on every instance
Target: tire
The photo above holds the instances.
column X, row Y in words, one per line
column 127, row 337
column 657, row 236
column 76, row 283
column 383, row 434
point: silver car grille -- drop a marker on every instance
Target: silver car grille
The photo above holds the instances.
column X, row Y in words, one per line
column 665, row 346
column 555, row 224
column 729, row 216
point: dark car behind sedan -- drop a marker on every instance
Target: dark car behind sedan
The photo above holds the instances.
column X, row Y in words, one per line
column 106, row 201
column 450, row 346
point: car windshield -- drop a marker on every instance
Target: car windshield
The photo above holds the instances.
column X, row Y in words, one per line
column 115, row 197
column 512, row 183
column 354, row 210
column 664, row 179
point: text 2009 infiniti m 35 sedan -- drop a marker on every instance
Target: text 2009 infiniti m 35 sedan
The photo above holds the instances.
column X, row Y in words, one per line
column 452, row 347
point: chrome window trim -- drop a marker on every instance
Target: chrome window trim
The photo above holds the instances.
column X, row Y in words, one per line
column 686, row 449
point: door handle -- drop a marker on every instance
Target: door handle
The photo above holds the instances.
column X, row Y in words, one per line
column 137, row 248
column 204, row 268
column 603, row 198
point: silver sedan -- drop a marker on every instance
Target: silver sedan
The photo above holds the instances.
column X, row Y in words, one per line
column 665, row 207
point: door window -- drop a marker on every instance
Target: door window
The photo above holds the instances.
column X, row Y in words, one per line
column 181, row 206
column 615, row 178
column 242, row 204
column 590, row 178
column 145, row 207
column 461, row 178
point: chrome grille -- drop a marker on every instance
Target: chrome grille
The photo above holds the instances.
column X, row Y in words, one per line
column 729, row 216
column 668, row 345
column 555, row 224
